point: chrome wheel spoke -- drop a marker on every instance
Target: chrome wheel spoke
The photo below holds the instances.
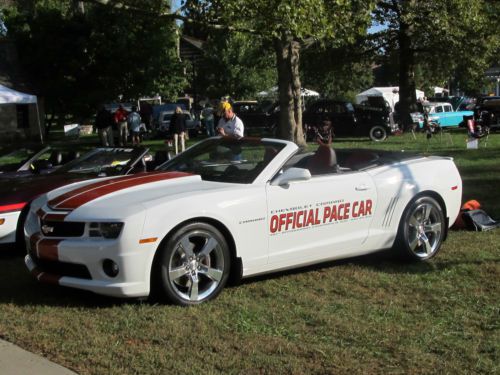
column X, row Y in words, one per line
column 414, row 243
column 212, row 273
column 434, row 228
column 193, row 288
column 426, row 212
column 186, row 246
column 414, row 222
column 177, row 272
column 208, row 247
column 427, row 245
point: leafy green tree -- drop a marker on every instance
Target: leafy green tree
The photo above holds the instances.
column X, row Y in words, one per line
column 81, row 57
column 287, row 26
column 235, row 64
column 441, row 36
column 337, row 72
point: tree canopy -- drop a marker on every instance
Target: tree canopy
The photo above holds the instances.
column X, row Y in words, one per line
column 80, row 60
column 287, row 26
column 444, row 39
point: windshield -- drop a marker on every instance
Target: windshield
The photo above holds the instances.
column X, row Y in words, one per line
column 103, row 162
column 16, row 158
column 226, row 159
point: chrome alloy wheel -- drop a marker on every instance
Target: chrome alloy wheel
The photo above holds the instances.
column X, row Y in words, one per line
column 425, row 229
column 196, row 265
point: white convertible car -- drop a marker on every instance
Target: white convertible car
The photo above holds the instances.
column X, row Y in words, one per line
column 238, row 207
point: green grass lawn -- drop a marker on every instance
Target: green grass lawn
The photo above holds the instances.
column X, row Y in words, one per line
column 364, row 315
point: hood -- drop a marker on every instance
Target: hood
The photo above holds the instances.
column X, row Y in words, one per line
column 124, row 195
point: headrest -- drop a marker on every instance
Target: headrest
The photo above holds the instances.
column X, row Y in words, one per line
column 323, row 161
column 55, row 157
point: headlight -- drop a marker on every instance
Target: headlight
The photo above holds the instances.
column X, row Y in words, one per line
column 106, row 230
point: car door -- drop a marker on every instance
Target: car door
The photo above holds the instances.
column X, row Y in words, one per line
column 449, row 117
column 321, row 218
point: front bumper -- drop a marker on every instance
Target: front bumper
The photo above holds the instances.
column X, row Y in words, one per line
column 8, row 227
column 78, row 262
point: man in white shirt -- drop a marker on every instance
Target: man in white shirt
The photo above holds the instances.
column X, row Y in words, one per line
column 230, row 124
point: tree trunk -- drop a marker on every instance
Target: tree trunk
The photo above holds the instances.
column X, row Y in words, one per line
column 407, row 94
column 287, row 58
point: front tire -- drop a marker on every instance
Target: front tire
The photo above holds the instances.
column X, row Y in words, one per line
column 378, row 133
column 20, row 244
column 193, row 265
column 421, row 230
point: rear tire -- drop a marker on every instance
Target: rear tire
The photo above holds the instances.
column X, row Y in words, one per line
column 421, row 230
column 193, row 265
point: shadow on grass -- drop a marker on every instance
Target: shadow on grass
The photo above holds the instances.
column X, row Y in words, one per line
column 382, row 262
column 18, row 287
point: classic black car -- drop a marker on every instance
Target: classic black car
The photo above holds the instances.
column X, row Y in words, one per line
column 257, row 116
column 487, row 110
column 345, row 119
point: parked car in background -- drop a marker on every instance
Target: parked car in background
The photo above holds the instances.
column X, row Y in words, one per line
column 257, row 116
column 17, row 193
column 162, row 126
column 346, row 119
column 487, row 110
column 28, row 160
column 444, row 115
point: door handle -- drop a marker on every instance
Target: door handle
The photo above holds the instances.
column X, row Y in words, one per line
column 362, row 188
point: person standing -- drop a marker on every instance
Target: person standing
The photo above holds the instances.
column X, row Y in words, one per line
column 121, row 121
column 230, row 124
column 104, row 125
column 207, row 115
column 178, row 128
column 146, row 112
column 134, row 126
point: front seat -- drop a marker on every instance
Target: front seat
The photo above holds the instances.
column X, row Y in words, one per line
column 324, row 161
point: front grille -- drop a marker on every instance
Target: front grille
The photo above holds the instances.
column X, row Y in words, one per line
column 62, row 228
column 61, row 268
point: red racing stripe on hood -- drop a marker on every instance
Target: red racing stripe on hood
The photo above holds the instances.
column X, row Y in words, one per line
column 78, row 197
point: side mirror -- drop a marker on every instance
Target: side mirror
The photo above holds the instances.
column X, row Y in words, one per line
column 290, row 175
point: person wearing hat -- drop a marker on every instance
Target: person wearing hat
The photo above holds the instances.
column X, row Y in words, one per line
column 230, row 124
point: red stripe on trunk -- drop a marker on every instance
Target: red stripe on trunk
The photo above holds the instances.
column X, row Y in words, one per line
column 48, row 249
column 78, row 197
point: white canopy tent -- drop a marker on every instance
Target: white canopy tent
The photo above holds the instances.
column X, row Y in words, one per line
column 273, row 91
column 440, row 91
column 390, row 94
column 9, row 96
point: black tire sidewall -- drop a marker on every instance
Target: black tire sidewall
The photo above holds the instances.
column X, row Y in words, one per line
column 20, row 243
column 402, row 247
column 374, row 130
column 163, row 287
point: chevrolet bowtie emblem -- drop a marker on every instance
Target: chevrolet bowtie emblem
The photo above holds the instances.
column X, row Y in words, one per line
column 47, row 229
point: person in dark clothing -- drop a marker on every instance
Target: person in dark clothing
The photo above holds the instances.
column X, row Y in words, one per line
column 178, row 129
column 104, row 122
column 146, row 112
